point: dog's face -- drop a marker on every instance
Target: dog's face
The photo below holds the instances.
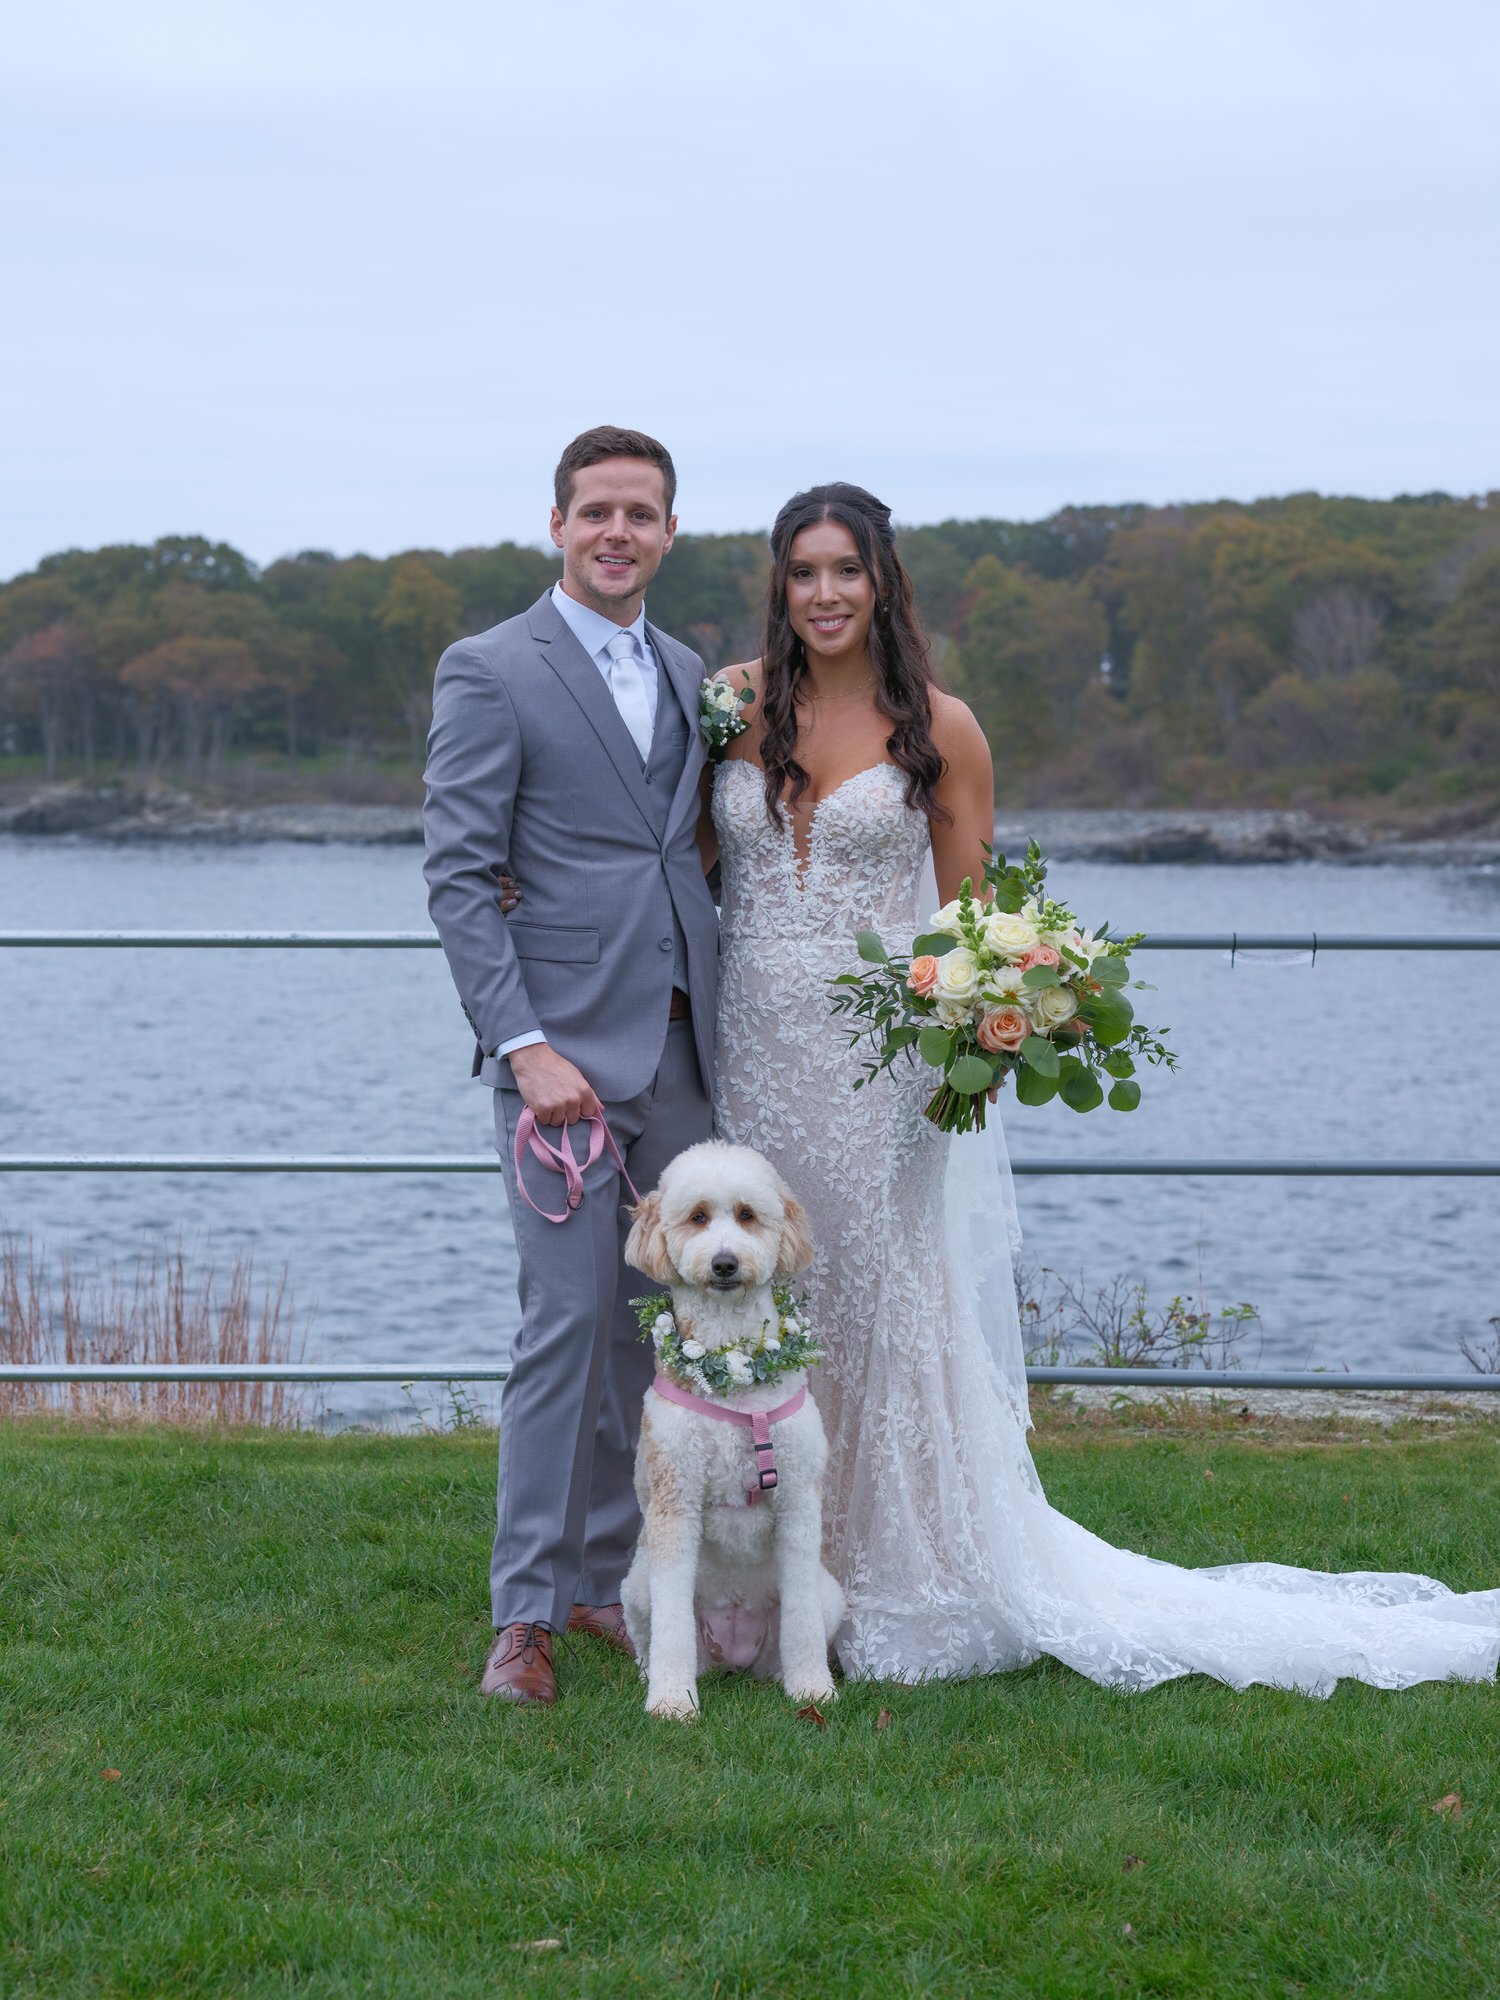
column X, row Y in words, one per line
column 720, row 1219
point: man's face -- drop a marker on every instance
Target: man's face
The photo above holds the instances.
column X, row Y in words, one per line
column 614, row 535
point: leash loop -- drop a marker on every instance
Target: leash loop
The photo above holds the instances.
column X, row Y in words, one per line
column 562, row 1160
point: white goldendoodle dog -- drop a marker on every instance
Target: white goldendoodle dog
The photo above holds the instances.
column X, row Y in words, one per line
column 717, row 1579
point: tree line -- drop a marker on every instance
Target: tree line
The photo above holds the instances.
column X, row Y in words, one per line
column 1304, row 646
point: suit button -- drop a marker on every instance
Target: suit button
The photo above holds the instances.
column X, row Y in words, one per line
column 665, row 943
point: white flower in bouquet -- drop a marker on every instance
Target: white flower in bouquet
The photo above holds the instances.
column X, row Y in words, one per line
column 1088, row 946
column 1012, row 935
column 1003, row 986
column 958, row 974
column 693, row 1349
column 947, row 921
column 955, row 1013
column 738, row 1364
column 1051, row 1006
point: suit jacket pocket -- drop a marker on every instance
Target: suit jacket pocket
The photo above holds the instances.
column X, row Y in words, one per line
column 562, row 943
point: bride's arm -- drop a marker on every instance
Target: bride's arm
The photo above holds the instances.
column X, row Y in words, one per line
column 967, row 790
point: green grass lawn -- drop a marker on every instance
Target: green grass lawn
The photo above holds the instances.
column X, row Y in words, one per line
column 274, row 1641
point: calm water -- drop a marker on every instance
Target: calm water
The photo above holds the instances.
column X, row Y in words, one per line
column 182, row 1052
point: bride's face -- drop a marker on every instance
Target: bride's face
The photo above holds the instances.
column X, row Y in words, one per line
column 830, row 595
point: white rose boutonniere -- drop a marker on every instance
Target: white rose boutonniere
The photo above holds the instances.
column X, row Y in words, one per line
column 722, row 712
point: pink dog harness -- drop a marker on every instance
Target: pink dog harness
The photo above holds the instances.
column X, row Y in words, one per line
column 560, row 1160
column 758, row 1422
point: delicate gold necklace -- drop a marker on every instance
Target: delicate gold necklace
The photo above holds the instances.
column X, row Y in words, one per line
column 841, row 700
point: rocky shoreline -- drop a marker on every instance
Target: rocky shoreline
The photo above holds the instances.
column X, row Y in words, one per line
column 125, row 813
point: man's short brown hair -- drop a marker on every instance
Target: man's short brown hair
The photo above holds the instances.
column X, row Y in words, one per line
column 609, row 441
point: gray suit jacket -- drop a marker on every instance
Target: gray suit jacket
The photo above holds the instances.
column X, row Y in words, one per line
column 530, row 768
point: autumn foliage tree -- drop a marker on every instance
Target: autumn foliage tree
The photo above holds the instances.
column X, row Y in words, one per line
column 203, row 679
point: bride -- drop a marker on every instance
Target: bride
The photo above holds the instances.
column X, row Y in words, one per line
column 856, row 777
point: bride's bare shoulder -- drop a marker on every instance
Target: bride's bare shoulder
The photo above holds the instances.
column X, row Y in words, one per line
column 745, row 670
column 956, row 732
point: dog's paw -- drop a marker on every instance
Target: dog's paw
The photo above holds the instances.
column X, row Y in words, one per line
column 673, row 1705
column 811, row 1690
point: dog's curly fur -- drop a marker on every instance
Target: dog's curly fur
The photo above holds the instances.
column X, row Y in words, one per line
column 721, row 1229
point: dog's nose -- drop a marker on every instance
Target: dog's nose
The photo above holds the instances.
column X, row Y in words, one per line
column 725, row 1264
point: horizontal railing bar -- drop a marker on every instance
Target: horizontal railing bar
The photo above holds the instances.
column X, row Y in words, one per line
column 1318, row 941
column 486, row 1163
column 1231, row 941
column 466, row 1371
column 1255, row 1378
column 231, row 940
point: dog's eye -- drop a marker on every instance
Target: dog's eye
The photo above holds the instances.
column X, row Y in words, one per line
column 744, row 1214
column 698, row 1217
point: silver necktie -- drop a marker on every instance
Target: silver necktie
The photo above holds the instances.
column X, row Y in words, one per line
column 628, row 686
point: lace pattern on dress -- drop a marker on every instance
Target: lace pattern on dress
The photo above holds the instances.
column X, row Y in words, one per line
column 935, row 1522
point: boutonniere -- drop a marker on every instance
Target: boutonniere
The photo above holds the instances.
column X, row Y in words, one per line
column 721, row 712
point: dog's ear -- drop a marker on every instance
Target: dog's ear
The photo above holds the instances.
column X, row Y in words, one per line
column 795, row 1251
column 646, row 1245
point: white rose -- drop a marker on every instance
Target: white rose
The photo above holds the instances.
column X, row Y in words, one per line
column 1011, row 936
column 739, row 1367
column 958, row 974
column 693, row 1349
column 1052, row 1005
column 955, row 1013
column 947, row 921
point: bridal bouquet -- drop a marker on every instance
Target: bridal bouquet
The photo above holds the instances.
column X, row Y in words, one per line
column 1006, row 981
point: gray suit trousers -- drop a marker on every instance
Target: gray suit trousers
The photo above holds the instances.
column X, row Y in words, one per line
column 567, row 1518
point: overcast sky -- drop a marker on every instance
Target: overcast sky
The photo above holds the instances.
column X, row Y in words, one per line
column 346, row 274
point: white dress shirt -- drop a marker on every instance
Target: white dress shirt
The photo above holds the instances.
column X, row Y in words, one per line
column 593, row 631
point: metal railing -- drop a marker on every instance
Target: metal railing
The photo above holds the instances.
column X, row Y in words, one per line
column 1232, row 942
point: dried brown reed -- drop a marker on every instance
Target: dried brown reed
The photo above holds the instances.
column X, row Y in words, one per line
column 166, row 1311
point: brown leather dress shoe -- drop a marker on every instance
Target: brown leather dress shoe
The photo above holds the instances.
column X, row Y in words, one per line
column 518, row 1666
column 604, row 1621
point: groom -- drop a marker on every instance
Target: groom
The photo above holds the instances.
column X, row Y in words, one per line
column 565, row 751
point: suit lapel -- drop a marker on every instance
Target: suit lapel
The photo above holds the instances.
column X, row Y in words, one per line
column 585, row 684
column 683, row 680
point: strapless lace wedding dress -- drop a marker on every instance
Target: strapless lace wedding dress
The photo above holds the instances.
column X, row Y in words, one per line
column 936, row 1524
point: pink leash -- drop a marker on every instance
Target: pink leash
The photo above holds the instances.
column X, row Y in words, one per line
column 758, row 1421
column 560, row 1160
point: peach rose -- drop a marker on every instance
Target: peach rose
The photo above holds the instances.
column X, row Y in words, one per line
column 1042, row 954
column 1002, row 1030
column 923, row 976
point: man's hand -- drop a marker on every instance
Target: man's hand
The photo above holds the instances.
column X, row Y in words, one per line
column 558, row 1093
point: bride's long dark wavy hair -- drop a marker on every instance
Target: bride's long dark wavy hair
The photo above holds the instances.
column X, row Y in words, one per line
column 898, row 651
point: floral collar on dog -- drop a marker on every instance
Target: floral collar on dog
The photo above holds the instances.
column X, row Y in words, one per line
column 785, row 1346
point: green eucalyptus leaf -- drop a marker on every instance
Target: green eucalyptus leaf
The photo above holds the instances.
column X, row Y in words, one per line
column 1118, row 1063
column 1034, row 1088
column 1109, row 1016
column 1109, row 970
column 1125, row 1096
column 1078, row 1086
column 871, row 950
column 971, row 1074
column 1040, row 1054
column 936, row 1045
column 934, row 944
column 1041, row 975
